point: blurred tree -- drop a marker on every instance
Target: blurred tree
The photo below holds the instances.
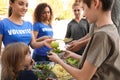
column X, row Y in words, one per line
column 62, row 9
column 3, row 7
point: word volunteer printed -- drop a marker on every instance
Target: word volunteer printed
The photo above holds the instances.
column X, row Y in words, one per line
column 13, row 31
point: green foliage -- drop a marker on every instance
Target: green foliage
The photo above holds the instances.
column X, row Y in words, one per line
column 62, row 9
column 3, row 7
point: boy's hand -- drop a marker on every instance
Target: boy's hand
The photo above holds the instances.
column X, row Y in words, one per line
column 67, row 54
column 54, row 57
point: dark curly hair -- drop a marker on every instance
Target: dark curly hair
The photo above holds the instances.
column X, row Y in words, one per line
column 37, row 17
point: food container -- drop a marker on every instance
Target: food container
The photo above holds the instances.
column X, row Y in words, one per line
column 43, row 70
column 46, row 70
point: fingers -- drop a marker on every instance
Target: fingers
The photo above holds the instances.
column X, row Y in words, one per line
column 66, row 54
column 52, row 56
column 71, row 47
column 50, row 53
column 47, row 42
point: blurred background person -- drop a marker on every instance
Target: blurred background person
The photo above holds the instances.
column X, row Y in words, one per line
column 77, row 27
column 42, row 26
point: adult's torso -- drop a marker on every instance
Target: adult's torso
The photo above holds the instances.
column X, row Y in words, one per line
column 43, row 30
column 12, row 32
column 78, row 30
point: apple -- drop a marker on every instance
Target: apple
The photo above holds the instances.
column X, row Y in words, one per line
column 54, row 44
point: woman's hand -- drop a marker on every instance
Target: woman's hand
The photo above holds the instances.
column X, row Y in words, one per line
column 47, row 42
column 42, row 38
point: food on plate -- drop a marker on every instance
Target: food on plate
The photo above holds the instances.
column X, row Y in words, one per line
column 55, row 47
column 72, row 61
column 60, row 72
column 66, row 40
column 55, row 44
column 43, row 69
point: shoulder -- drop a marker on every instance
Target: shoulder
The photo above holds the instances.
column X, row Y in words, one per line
column 4, row 20
column 99, row 38
column 28, row 72
column 71, row 22
column 100, row 35
column 27, row 75
column 37, row 24
column 109, row 29
column 84, row 20
column 5, row 23
column 27, row 22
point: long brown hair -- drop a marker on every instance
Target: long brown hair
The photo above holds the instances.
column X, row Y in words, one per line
column 12, row 57
column 37, row 17
column 10, row 9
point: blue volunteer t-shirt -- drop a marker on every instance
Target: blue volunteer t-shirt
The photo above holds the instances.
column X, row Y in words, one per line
column 43, row 30
column 12, row 32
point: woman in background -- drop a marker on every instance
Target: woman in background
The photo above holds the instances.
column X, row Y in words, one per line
column 43, row 16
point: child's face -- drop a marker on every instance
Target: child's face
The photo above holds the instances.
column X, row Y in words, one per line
column 46, row 14
column 28, row 59
column 90, row 13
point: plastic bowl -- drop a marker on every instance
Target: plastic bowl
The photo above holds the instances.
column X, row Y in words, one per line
column 43, row 70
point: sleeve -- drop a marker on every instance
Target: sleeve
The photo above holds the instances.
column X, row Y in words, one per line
column 36, row 27
column 99, row 48
column 68, row 32
column 1, row 28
